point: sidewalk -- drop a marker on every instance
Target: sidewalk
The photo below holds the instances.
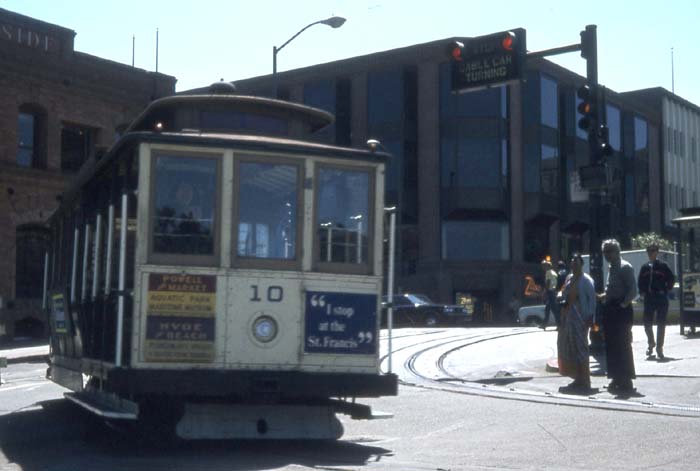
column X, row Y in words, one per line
column 22, row 351
column 674, row 381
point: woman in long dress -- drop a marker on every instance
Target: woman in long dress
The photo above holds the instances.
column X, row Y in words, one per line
column 578, row 308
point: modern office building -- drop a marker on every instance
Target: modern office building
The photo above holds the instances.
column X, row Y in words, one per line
column 58, row 108
column 486, row 182
column 678, row 146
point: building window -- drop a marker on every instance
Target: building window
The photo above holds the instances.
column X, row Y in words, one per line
column 676, row 142
column 669, row 139
column 693, row 149
column 475, row 240
column 550, row 170
column 32, row 241
column 640, row 134
column 31, row 135
column 322, row 95
column 77, row 144
column 549, row 103
column 25, row 147
column 682, row 143
column 614, row 127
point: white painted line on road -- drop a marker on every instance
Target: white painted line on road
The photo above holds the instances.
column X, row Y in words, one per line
column 28, row 387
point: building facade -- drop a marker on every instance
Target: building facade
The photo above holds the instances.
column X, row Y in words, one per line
column 486, row 182
column 678, row 144
column 58, row 108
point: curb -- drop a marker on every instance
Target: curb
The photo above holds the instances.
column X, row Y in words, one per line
column 38, row 358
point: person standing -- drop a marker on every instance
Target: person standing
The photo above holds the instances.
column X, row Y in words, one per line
column 655, row 282
column 620, row 290
column 578, row 301
column 550, row 293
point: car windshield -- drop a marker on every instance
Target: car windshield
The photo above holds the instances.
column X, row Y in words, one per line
column 419, row 299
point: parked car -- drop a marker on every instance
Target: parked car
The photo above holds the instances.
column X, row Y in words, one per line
column 532, row 316
column 414, row 309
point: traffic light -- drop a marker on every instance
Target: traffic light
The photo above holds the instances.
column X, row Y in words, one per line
column 589, row 43
column 456, row 51
column 587, row 108
column 508, row 41
column 605, row 149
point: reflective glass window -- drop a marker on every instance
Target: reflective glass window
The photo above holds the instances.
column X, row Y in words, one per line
column 614, row 127
column 640, row 134
column 185, row 200
column 343, row 215
column 475, row 240
column 549, row 103
column 25, row 134
column 268, row 196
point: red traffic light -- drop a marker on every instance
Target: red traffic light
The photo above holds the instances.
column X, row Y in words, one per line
column 456, row 51
column 508, row 41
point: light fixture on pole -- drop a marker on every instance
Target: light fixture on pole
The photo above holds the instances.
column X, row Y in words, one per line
column 333, row 22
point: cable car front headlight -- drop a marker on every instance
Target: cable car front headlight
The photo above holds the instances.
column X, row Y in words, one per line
column 265, row 329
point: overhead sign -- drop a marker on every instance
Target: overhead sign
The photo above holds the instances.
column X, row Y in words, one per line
column 487, row 61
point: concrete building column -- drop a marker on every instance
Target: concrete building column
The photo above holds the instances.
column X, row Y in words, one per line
column 429, row 163
column 358, row 110
column 296, row 95
column 517, row 200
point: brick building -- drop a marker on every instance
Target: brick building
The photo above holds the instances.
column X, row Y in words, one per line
column 58, row 108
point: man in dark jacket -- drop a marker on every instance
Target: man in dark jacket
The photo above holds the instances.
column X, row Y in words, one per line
column 655, row 282
column 618, row 316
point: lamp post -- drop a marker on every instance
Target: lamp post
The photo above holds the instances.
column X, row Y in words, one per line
column 333, row 22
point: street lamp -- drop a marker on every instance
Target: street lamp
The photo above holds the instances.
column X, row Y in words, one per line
column 333, row 22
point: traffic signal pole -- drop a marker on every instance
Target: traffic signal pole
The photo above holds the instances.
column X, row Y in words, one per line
column 596, row 126
column 589, row 50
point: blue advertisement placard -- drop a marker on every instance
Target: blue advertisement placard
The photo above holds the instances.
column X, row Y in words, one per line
column 340, row 323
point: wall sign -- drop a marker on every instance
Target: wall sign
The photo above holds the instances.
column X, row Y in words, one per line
column 181, row 318
column 340, row 323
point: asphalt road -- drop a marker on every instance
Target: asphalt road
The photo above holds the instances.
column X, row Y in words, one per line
column 433, row 428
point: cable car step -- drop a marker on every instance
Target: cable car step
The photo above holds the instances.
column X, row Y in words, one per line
column 358, row 411
column 105, row 405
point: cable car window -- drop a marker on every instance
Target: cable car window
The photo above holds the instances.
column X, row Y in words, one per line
column 185, row 205
column 343, row 216
column 268, row 210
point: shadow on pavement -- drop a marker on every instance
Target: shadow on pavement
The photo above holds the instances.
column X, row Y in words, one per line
column 60, row 436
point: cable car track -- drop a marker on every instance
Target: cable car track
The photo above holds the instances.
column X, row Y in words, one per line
column 449, row 382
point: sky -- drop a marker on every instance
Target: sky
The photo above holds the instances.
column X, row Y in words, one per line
column 201, row 42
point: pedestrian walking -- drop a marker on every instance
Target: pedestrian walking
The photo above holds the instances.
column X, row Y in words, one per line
column 620, row 290
column 562, row 273
column 655, row 281
column 550, row 294
column 578, row 301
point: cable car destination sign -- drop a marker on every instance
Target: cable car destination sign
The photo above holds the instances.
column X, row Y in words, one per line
column 487, row 61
